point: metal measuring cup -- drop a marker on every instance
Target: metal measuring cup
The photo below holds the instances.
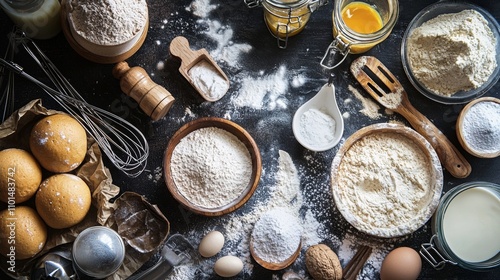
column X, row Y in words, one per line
column 97, row 252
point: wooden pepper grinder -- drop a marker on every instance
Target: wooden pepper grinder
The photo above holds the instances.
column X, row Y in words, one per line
column 153, row 99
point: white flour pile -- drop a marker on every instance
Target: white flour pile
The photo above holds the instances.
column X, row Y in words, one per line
column 386, row 185
column 276, row 235
column 208, row 80
column 265, row 91
column 108, row 22
column 481, row 127
column 453, row 52
column 211, row 167
column 317, row 128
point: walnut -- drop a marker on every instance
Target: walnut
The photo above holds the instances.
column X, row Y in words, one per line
column 322, row 263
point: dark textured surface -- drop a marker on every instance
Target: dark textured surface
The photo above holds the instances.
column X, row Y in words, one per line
column 271, row 129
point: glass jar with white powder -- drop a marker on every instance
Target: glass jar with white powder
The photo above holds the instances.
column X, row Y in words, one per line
column 466, row 228
column 38, row 19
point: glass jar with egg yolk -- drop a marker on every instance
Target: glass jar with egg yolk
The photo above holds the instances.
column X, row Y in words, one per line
column 466, row 228
column 286, row 18
column 358, row 26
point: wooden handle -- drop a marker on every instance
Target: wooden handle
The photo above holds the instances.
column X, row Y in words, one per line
column 448, row 154
column 179, row 47
column 153, row 99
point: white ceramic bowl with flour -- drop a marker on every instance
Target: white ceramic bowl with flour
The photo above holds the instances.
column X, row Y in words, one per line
column 430, row 58
column 386, row 180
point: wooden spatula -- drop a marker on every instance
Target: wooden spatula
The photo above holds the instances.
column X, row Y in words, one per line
column 392, row 95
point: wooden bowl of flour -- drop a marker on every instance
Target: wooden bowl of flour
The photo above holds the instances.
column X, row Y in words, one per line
column 212, row 166
column 386, row 180
column 102, row 52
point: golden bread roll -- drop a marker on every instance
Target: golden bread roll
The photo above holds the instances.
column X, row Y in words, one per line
column 22, row 233
column 20, row 176
column 63, row 200
column 59, row 143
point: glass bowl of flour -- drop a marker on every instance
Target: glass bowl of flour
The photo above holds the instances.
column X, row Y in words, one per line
column 212, row 166
column 451, row 52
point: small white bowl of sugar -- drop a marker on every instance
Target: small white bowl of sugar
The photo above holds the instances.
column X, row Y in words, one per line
column 478, row 127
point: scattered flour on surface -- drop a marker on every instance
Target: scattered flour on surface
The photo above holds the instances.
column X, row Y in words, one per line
column 237, row 227
column 370, row 108
column 201, row 8
column 264, row 91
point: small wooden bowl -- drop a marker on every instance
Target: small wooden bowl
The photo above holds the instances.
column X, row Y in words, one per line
column 100, row 53
column 237, row 131
column 275, row 266
column 460, row 129
column 434, row 190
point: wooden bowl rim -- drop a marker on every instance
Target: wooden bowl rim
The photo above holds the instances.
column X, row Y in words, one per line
column 415, row 137
column 230, row 127
column 275, row 266
column 93, row 56
column 459, row 128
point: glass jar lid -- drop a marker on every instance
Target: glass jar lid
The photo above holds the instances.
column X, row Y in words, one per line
column 287, row 3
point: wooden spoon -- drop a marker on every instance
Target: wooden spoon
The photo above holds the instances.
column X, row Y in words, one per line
column 275, row 266
column 397, row 100
column 179, row 47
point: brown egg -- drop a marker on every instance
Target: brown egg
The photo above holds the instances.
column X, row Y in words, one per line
column 402, row 263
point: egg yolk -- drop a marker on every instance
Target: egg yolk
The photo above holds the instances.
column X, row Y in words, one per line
column 361, row 18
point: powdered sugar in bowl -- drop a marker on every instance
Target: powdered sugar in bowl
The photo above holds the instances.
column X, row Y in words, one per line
column 451, row 52
column 478, row 127
column 212, row 166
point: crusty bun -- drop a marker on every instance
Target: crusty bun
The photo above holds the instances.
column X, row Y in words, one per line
column 63, row 200
column 20, row 176
column 22, row 233
column 59, row 143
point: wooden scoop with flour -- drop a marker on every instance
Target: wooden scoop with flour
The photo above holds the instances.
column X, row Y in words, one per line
column 397, row 100
column 200, row 70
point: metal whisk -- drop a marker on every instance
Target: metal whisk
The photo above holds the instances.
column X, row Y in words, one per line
column 7, row 85
column 124, row 145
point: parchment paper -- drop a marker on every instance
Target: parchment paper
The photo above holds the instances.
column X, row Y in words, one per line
column 141, row 225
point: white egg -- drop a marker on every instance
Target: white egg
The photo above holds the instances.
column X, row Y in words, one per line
column 211, row 244
column 228, row 266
